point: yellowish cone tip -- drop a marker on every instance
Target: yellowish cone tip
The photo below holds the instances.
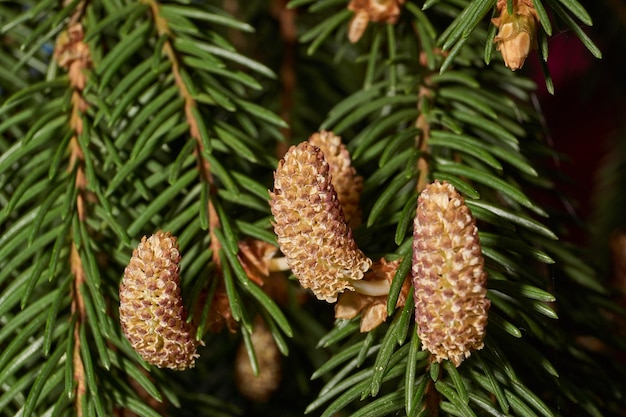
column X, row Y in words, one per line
column 448, row 277
column 517, row 32
column 310, row 225
column 345, row 180
column 151, row 309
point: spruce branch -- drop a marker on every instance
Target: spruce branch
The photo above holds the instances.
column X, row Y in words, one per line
column 74, row 55
column 96, row 144
column 456, row 110
column 198, row 132
column 160, row 116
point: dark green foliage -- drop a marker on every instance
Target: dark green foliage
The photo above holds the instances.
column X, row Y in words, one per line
column 180, row 132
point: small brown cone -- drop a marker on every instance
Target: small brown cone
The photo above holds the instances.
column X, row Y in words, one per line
column 259, row 388
column 448, row 277
column 310, row 225
column 151, row 310
column 517, row 32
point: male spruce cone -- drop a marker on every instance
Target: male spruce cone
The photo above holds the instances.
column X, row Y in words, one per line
column 311, row 227
column 151, row 310
column 448, row 276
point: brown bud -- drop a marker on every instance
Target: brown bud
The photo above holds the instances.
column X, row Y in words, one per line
column 517, row 32
column 259, row 387
column 310, row 225
column 357, row 25
column 256, row 257
column 151, row 309
column 448, row 277
column 260, row 264
column 344, row 178
column 373, row 308
column 371, row 10
column 73, row 54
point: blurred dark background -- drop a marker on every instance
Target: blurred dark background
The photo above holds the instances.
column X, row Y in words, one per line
column 586, row 122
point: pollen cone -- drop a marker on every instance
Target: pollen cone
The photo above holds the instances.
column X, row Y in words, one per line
column 311, row 227
column 151, row 309
column 448, row 276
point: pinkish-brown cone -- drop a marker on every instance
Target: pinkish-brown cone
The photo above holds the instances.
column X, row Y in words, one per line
column 151, row 309
column 310, row 225
column 448, row 277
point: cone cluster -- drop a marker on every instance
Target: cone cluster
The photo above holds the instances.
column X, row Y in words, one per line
column 447, row 272
column 152, row 315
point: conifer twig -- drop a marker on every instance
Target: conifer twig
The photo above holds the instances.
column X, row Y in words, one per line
column 74, row 55
column 204, row 168
column 78, row 307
